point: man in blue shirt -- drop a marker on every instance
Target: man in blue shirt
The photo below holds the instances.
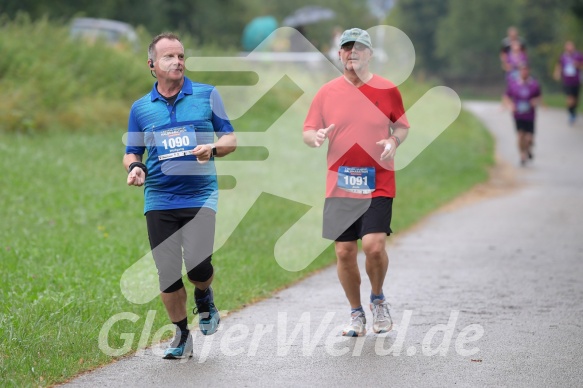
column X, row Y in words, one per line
column 176, row 123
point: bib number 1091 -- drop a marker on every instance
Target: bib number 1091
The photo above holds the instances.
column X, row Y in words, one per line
column 355, row 180
column 359, row 180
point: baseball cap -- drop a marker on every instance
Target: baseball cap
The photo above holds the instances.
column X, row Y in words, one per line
column 355, row 35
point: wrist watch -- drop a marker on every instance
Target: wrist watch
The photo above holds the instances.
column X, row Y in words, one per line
column 214, row 149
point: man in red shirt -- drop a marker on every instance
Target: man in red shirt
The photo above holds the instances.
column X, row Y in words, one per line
column 362, row 116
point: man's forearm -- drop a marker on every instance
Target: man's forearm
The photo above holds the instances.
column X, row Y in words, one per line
column 226, row 144
column 129, row 159
column 310, row 137
column 400, row 133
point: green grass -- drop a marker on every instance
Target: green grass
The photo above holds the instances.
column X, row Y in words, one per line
column 71, row 226
column 558, row 100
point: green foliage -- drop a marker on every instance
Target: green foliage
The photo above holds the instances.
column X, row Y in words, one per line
column 454, row 39
column 56, row 83
column 468, row 38
column 218, row 23
column 460, row 40
column 419, row 20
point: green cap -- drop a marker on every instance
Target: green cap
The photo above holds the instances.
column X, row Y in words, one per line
column 355, row 35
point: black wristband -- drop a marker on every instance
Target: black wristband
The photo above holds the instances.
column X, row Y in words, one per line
column 140, row 165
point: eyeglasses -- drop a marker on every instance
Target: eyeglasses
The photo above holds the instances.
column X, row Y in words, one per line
column 357, row 46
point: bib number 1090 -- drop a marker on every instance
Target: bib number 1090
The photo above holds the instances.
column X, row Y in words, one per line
column 173, row 142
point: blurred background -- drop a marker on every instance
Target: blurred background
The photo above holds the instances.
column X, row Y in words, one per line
column 456, row 41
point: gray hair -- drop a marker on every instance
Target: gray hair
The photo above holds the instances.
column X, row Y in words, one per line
column 157, row 38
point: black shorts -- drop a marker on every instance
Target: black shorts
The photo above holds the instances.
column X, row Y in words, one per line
column 524, row 125
column 349, row 219
column 571, row 90
column 172, row 231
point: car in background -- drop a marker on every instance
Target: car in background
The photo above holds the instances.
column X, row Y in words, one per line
column 113, row 32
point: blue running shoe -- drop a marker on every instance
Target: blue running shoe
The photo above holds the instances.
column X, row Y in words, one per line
column 208, row 315
column 179, row 348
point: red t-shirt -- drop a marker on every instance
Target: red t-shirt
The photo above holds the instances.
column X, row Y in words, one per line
column 362, row 116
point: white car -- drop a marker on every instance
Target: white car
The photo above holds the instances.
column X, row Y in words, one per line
column 111, row 31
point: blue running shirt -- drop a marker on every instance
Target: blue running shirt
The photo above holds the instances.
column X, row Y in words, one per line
column 169, row 133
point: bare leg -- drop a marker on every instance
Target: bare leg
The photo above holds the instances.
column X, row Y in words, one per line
column 175, row 303
column 529, row 140
column 348, row 272
column 377, row 260
column 522, row 146
column 571, row 102
column 203, row 285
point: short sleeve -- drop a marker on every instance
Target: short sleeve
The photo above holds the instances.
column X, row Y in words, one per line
column 220, row 120
column 314, row 119
column 135, row 137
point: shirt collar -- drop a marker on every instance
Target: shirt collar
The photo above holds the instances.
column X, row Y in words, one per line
column 186, row 89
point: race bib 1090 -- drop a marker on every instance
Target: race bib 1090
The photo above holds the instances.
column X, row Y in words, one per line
column 175, row 142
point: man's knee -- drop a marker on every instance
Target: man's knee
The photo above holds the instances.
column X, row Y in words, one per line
column 177, row 285
column 202, row 272
column 374, row 247
column 346, row 251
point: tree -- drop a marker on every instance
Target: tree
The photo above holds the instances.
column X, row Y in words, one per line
column 419, row 20
column 468, row 38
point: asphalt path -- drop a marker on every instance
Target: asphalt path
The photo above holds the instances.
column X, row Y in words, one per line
column 487, row 291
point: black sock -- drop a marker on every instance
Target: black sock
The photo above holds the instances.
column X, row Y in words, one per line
column 183, row 327
column 200, row 294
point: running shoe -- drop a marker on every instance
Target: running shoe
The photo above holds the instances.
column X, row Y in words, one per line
column 357, row 326
column 208, row 315
column 179, row 347
column 381, row 318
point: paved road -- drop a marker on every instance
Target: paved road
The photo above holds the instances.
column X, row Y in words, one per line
column 487, row 292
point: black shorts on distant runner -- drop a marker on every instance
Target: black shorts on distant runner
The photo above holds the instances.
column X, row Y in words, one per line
column 571, row 90
column 524, row 125
column 349, row 219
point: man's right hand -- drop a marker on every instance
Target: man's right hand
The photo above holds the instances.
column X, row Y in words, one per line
column 322, row 134
column 136, row 177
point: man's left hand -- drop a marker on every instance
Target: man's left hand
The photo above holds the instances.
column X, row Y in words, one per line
column 390, row 148
column 203, row 153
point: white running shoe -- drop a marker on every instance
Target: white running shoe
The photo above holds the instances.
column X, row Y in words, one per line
column 357, row 326
column 381, row 317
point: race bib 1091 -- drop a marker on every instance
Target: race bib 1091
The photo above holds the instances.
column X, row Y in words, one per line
column 359, row 180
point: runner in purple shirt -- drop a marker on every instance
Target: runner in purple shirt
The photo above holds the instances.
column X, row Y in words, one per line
column 514, row 60
column 522, row 96
column 568, row 71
